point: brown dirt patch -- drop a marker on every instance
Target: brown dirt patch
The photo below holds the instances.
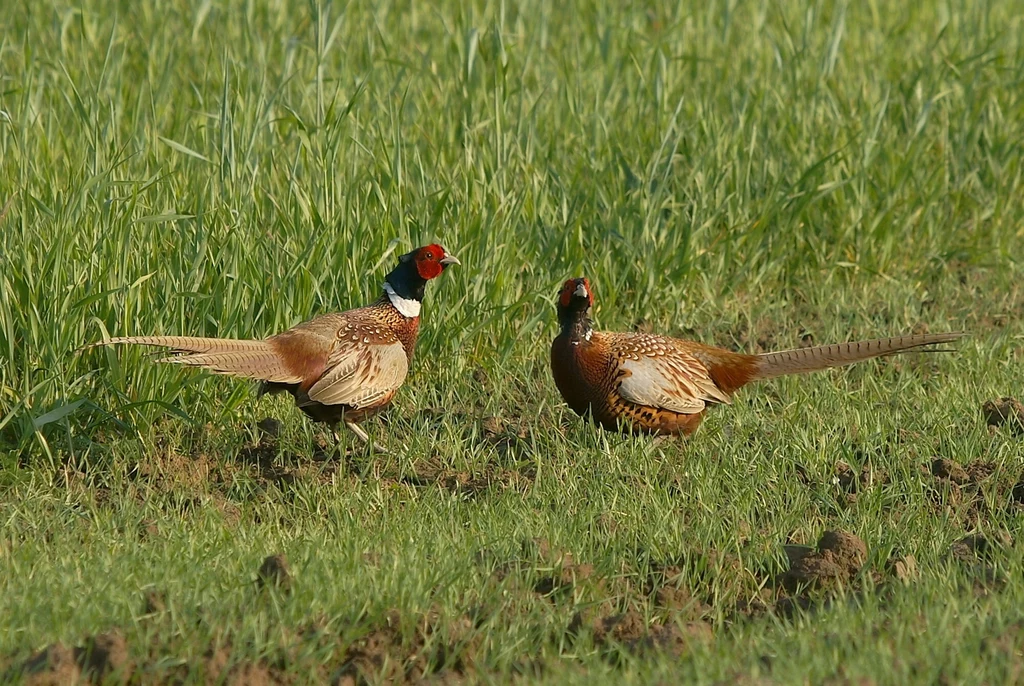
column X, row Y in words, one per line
column 967, row 493
column 493, row 478
column 979, row 470
column 184, row 484
column 976, row 555
column 632, row 632
column 815, row 575
column 673, row 598
column 261, row 460
column 229, row 511
column 980, row 546
column 274, row 573
column 903, row 567
column 689, row 586
column 168, row 470
column 677, row 599
column 839, row 557
column 255, row 674
column 852, row 482
column 388, row 654
column 949, row 470
column 560, row 572
column 400, row 649
column 267, row 464
column 54, row 665
column 270, row 426
column 105, row 657
column 1004, row 411
column 511, row 439
column 219, row 669
column 154, row 602
column 101, row 658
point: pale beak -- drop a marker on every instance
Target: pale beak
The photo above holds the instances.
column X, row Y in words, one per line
column 581, row 291
column 450, row 259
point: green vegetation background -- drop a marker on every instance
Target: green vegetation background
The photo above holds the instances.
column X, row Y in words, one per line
column 751, row 174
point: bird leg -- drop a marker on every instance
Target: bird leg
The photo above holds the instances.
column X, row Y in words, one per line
column 658, row 440
column 657, row 444
column 364, row 438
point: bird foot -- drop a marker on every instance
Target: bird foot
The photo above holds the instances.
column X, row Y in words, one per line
column 373, row 448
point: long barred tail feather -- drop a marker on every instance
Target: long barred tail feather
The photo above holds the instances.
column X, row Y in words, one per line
column 244, row 358
column 801, row 360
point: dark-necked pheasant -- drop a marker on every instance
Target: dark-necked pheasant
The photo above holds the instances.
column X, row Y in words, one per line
column 660, row 385
column 340, row 367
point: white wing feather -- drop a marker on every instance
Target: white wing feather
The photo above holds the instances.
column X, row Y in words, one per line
column 361, row 375
column 674, row 381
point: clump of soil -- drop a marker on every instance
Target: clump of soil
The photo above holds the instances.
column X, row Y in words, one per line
column 54, row 665
column 633, row 633
column 965, row 492
column 491, row 428
column 979, row 546
column 103, row 658
column 903, row 567
column 565, row 573
column 274, row 573
column 816, row 574
column 1008, row 411
column 949, row 470
column 671, row 586
column 509, row 439
column 382, row 655
column 671, row 595
column 153, row 602
column 270, row 427
column 838, row 558
column 218, row 670
column 431, row 474
column 397, row 650
column 976, row 554
column 853, row 482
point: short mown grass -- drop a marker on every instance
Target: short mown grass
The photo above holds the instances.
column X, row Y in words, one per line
column 757, row 175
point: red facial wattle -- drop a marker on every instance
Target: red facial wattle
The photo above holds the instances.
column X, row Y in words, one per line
column 428, row 269
column 567, row 290
column 428, row 261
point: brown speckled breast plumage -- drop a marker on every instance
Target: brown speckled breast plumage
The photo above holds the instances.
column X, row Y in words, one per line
column 369, row 339
column 590, row 373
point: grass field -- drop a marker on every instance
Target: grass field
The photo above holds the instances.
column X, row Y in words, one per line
column 755, row 175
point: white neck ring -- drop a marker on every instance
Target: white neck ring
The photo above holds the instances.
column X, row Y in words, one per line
column 407, row 307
